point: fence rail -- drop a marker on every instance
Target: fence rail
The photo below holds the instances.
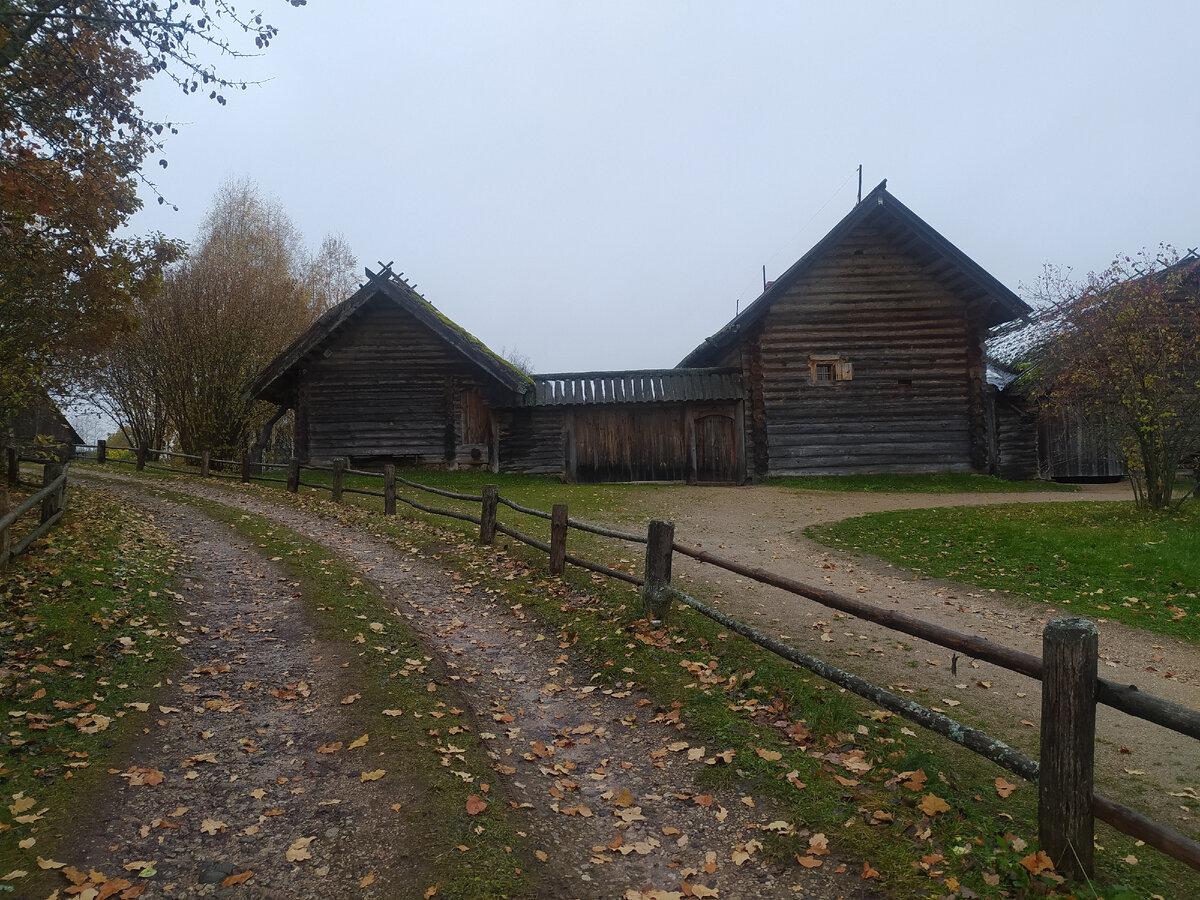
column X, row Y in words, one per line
column 52, row 498
column 1068, row 667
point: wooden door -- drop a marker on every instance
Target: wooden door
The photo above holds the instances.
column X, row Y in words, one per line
column 716, row 457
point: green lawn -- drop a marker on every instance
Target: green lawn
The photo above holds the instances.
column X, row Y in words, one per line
column 1107, row 560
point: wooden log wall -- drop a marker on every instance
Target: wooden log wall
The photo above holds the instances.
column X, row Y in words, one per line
column 908, row 406
column 1074, row 446
column 1016, row 440
column 531, row 440
column 388, row 388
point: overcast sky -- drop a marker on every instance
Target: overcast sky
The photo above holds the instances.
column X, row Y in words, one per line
column 596, row 184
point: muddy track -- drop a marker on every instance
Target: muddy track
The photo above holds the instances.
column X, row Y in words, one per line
column 608, row 809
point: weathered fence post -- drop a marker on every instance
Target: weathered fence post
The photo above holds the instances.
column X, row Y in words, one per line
column 293, row 479
column 101, row 451
column 558, row 538
column 487, row 516
column 4, row 532
column 656, row 596
column 1070, row 649
column 53, row 503
column 141, row 458
column 13, row 462
column 339, row 468
column 205, row 459
column 246, row 468
column 389, row 490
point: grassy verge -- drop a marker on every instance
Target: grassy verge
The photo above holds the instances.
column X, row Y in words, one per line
column 1107, row 560
column 86, row 632
column 945, row 483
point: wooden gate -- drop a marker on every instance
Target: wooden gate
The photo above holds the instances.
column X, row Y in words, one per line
column 716, row 456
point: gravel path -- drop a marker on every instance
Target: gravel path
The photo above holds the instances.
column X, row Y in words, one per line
column 1148, row 767
column 601, row 780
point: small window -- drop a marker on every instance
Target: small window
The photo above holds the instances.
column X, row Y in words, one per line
column 830, row 368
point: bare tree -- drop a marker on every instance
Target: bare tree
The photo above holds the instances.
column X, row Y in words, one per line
column 332, row 274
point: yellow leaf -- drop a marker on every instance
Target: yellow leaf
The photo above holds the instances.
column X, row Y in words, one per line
column 49, row 864
column 818, row 845
column 541, row 855
column 699, row 890
column 27, row 843
column 373, row 776
column 361, row 742
column 932, row 804
column 623, row 799
column 20, row 804
column 212, row 826
column 430, row 892
column 351, row 698
column 298, row 851
column 808, row 862
column 14, row 875
column 393, row 712
column 1003, row 788
column 868, row 872
column 368, row 880
column 768, row 755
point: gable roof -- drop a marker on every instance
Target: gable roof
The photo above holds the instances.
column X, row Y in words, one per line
column 911, row 234
column 271, row 383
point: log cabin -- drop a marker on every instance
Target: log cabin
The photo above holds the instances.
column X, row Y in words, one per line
column 867, row 355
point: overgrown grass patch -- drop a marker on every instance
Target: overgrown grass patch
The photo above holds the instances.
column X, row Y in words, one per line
column 1107, row 560
column 86, row 631
column 943, row 483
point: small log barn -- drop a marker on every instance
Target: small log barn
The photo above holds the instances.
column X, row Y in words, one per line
column 867, row 355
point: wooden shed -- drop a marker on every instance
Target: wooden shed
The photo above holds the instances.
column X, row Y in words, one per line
column 650, row 425
column 385, row 377
column 867, row 355
column 41, row 429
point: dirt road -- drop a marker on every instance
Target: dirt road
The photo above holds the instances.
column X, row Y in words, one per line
column 605, row 810
column 1148, row 767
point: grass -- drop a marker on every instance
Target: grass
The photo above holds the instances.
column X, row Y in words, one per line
column 1107, row 560
column 753, row 701
column 86, row 629
column 945, row 483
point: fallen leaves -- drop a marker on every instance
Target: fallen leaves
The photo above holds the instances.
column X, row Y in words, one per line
column 932, row 804
column 1004, row 788
column 1037, row 863
column 475, row 805
column 298, row 851
column 212, row 826
column 240, row 878
column 372, row 776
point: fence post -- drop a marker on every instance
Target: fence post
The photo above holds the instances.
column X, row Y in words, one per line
column 293, row 480
column 558, row 538
column 389, row 490
column 246, row 468
column 51, row 504
column 339, row 468
column 487, row 517
column 101, row 451
column 656, row 597
column 205, row 457
column 4, row 532
column 13, row 462
column 1070, row 649
column 141, row 458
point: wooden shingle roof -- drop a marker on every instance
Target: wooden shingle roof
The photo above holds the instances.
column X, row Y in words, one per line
column 272, row 383
column 640, row 386
column 910, row 234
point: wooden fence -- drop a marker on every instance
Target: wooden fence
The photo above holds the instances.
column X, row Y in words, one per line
column 52, row 498
column 1067, row 668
